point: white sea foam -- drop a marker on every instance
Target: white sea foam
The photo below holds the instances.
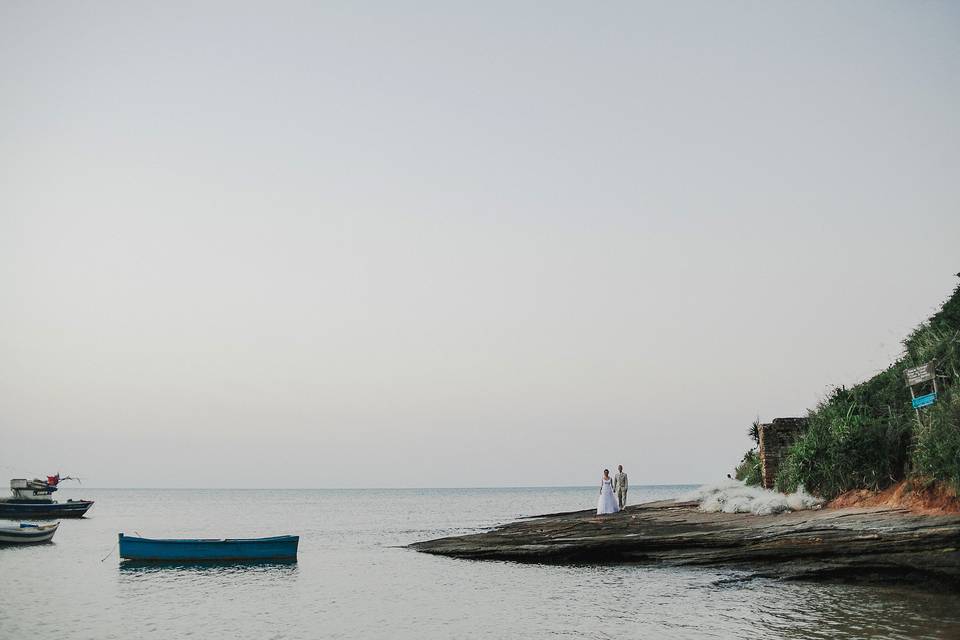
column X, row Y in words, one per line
column 733, row 496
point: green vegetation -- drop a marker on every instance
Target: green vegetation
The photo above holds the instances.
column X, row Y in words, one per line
column 868, row 436
column 936, row 452
column 749, row 468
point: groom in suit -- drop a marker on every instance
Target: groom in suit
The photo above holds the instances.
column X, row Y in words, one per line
column 620, row 486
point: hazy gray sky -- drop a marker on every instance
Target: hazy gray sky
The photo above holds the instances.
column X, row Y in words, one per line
column 454, row 244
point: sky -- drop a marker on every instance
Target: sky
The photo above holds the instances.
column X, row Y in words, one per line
column 448, row 244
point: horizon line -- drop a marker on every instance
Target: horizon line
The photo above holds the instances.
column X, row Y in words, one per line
column 570, row 486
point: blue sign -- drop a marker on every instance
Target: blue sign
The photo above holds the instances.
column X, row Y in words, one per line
column 924, row 401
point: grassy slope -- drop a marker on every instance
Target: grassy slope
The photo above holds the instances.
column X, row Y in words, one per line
column 868, row 436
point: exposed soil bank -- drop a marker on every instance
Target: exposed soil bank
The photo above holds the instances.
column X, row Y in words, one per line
column 933, row 499
column 861, row 544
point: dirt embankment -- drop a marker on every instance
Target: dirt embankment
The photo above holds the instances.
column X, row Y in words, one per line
column 931, row 499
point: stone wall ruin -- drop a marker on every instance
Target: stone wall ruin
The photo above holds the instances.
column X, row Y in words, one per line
column 775, row 440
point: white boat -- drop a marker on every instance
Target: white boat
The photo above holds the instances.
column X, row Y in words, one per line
column 28, row 533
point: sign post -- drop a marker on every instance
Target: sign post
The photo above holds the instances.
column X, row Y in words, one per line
column 920, row 376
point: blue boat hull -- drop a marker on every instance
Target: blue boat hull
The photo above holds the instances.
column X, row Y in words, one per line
column 34, row 510
column 214, row 550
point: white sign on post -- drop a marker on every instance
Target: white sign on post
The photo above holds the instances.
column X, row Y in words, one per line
column 923, row 373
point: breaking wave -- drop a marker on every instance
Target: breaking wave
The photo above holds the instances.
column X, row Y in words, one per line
column 733, row 496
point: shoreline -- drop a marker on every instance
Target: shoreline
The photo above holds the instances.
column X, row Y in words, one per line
column 877, row 545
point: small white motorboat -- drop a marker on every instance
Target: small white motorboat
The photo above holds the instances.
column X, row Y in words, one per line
column 28, row 533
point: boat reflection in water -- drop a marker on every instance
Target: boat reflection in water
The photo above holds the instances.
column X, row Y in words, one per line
column 266, row 568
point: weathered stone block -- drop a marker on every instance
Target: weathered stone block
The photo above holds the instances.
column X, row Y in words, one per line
column 775, row 440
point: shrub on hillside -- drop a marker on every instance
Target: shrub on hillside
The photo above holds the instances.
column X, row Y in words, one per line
column 860, row 438
column 846, row 446
column 936, row 453
column 748, row 470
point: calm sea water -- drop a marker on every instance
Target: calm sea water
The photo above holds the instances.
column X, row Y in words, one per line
column 353, row 579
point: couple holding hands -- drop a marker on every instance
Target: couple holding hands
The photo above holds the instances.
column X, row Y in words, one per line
column 613, row 492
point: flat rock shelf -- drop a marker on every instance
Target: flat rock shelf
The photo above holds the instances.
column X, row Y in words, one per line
column 869, row 544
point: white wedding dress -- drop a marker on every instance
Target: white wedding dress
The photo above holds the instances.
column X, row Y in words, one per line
column 608, row 501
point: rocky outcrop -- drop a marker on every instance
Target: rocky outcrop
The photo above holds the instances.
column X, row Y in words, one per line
column 852, row 544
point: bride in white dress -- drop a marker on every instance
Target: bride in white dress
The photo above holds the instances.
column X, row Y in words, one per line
column 608, row 501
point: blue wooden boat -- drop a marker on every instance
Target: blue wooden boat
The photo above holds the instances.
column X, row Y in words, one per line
column 208, row 550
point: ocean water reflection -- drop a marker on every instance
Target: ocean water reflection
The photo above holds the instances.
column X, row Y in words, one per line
column 353, row 578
